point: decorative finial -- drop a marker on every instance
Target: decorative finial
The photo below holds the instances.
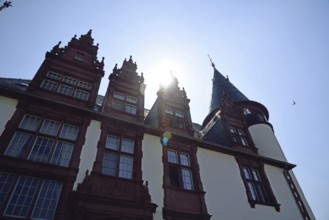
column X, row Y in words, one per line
column 212, row 63
column 56, row 48
column 5, row 5
column 131, row 58
column 115, row 67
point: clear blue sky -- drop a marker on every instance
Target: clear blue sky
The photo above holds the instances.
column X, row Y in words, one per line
column 273, row 51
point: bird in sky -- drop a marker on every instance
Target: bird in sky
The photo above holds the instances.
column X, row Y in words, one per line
column 293, row 103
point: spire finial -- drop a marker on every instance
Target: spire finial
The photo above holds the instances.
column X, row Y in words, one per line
column 212, row 63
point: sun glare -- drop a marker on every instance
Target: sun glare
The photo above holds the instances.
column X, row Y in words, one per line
column 165, row 72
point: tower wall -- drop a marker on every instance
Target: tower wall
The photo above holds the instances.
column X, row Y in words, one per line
column 225, row 193
column 266, row 142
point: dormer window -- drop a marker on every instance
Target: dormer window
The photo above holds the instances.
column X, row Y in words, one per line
column 66, row 85
column 174, row 118
column 246, row 111
column 79, row 57
column 125, row 103
column 238, row 136
column 253, row 116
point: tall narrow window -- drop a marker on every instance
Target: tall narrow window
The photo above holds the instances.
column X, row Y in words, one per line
column 28, row 197
column 180, row 172
column 47, row 200
column 22, row 196
column 6, row 180
column 257, row 186
column 118, row 159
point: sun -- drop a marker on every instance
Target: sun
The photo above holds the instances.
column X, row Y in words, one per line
column 165, row 71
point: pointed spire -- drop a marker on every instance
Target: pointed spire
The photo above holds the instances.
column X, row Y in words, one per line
column 222, row 85
column 212, row 63
column 115, row 67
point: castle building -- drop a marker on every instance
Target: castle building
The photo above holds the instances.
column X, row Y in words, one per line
column 68, row 153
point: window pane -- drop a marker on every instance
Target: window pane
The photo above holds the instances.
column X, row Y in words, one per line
column 47, row 200
column 126, row 167
column 110, row 164
column 30, row 122
column 112, row 142
column 6, row 180
column 18, row 145
column 79, row 57
column 41, row 149
column 180, row 123
column 69, row 132
column 50, row 127
column 131, row 99
column 172, row 156
column 169, row 111
column 127, row 145
column 62, row 154
column 174, row 176
column 131, row 109
column 252, row 191
column 179, row 114
column 240, row 132
column 119, row 95
column 246, row 111
column 184, row 159
column 244, row 141
column 256, row 176
column 118, row 106
column 246, row 173
column 187, row 179
column 232, row 130
column 22, row 196
column 261, row 193
column 235, row 139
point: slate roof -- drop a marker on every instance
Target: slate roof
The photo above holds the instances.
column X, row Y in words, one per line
column 213, row 126
column 14, row 84
column 223, row 85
